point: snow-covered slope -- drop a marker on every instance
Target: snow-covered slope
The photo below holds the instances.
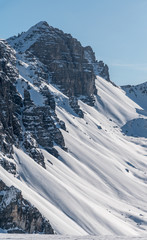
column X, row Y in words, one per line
column 97, row 186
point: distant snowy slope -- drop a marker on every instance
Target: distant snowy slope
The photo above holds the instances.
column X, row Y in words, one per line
column 137, row 93
column 97, row 186
column 137, row 127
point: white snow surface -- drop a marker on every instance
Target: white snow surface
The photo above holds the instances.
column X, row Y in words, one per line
column 65, row 237
column 97, row 187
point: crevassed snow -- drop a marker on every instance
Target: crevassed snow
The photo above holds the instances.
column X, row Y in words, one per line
column 99, row 185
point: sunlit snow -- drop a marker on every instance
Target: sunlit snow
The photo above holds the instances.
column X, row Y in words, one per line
column 99, row 185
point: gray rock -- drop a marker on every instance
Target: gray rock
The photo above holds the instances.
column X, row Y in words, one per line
column 103, row 70
column 10, row 100
column 8, row 165
column 17, row 215
column 73, row 101
column 39, row 122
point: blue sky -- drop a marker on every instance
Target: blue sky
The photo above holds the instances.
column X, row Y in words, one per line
column 115, row 29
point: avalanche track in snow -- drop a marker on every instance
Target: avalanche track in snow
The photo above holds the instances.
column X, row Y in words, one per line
column 99, row 185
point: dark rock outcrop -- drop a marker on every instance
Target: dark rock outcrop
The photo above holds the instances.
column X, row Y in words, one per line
column 17, row 215
column 10, row 101
column 103, row 70
column 73, row 101
column 8, row 165
column 39, row 122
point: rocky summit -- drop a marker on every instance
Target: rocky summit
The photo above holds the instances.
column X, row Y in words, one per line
column 71, row 66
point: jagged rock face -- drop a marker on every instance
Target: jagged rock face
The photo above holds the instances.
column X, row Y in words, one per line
column 18, row 216
column 65, row 59
column 17, row 110
column 63, row 55
column 74, row 104
column 10, row 100
column 71, row 66
column 40, row 122
column 103, row 70
column 7, row 61
column 8, row 165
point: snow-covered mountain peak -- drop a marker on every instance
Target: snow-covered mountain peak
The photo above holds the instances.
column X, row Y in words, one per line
column 75, row 161
column 23, row 41
column 39, row 27
column 61, row 53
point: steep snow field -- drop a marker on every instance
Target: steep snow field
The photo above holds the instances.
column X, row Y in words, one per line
column 47, row 237
column 99, row 185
